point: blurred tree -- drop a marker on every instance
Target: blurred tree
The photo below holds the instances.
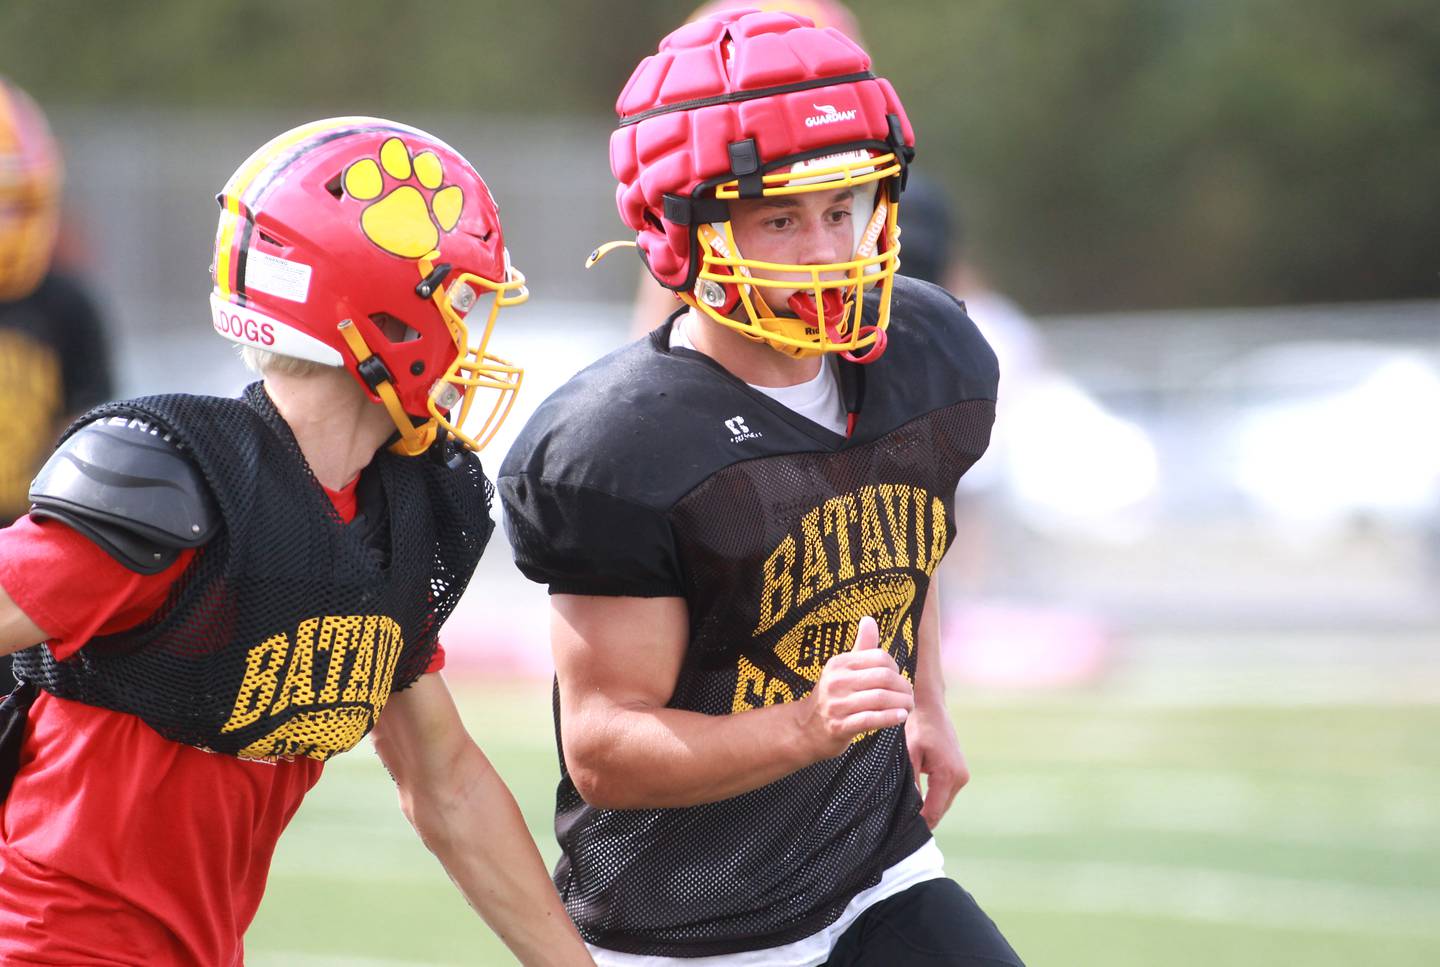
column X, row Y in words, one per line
column 1108, row 154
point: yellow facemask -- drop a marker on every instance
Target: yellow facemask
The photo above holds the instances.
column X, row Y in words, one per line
column 827, row 296
column 474, row 368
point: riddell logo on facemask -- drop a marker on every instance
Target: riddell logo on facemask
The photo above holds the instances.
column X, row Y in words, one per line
column 828, row 115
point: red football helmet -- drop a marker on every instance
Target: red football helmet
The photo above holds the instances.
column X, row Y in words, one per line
column 30, row 174
column 747, row 104
column 371, row 245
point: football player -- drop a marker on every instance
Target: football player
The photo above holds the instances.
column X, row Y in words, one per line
column 654, row 301
column 738, row 518
column 54, row 361
column 214, row 596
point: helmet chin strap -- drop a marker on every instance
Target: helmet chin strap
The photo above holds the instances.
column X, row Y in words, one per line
column 716, row 237
column 414, row 440
column 768, row 318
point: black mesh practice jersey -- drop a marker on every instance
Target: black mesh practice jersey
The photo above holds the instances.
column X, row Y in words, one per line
column 290, row 629
column 657, row 473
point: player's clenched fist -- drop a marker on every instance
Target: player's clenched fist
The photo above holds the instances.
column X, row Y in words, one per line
column 859, row 690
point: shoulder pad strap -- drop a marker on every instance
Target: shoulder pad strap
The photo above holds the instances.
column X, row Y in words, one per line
column 123, row 483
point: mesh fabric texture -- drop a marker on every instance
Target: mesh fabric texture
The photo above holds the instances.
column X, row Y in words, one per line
column 290, row 629
column 862, row 529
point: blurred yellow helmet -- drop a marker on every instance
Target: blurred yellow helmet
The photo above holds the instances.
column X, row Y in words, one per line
column 30, row 175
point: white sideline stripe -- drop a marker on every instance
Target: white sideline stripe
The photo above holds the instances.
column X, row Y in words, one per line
column 1206, row 895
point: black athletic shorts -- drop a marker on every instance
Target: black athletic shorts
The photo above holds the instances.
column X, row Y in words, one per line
column 931, row 924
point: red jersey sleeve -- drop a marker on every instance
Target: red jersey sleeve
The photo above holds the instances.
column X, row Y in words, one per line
column 437, row 660
column 71, row 588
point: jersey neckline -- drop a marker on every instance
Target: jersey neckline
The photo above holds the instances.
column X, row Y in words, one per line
column 827, row 438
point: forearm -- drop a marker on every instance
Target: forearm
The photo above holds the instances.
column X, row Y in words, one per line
column 642, row 757
column 474, row 827
column 466, row 816
column 935, row 753
column 617, row 664
column 929, row 675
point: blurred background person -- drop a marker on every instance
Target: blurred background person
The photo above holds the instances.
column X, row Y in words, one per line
column 54, row 358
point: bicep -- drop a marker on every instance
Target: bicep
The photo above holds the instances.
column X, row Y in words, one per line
column 17, row 631
column 616, row 651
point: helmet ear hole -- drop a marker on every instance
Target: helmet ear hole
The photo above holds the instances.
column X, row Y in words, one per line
column 394, row 328
column 335, row 187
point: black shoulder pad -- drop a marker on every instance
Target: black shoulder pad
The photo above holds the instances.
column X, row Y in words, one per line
column 123, row 483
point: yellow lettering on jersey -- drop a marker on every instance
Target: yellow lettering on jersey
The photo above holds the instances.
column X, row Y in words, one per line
column 777, row 692
column 897, row 516
column 389, row 643
column 358, row 684
column 938, row 536
column 757, row 689
column 830, row 627
column 815, row 575
column 358, row 655
column 839, row 513
column 750, row 689
column 854, row 555
column 921, row 533
column 827, row 630
column 262, row 677
column 874, row 555
column 299, row 687
column 779, row 587
column 340, row 636
column 312, row 734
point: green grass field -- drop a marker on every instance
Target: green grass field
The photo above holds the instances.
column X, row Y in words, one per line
column 1095, row 833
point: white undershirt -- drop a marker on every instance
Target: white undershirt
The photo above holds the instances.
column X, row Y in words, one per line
column 818, row 399
column 925, row 864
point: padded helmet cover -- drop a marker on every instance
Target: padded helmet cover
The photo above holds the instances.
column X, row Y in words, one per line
column 772, row 77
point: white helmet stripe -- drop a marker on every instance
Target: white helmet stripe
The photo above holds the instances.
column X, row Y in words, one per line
column 244, row 325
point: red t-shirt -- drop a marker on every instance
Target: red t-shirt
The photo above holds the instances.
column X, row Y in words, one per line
column 118, row 845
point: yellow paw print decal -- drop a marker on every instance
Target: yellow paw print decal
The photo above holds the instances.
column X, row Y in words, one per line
column 403, row 222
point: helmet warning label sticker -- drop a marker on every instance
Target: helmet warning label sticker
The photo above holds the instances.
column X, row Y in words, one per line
column 279, row 277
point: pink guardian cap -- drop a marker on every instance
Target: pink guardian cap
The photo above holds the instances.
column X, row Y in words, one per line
column 750, row 104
